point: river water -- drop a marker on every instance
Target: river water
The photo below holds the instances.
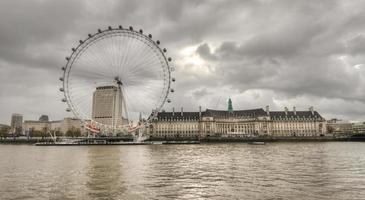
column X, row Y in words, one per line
column 328, row 170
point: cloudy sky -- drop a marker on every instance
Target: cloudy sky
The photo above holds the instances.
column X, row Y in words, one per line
column 258, row 52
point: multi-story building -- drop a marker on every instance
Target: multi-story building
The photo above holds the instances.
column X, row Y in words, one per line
column 176, row 125
column 60, row 126
column 16, row 123
column 4, row 126
column 358, row 128
column 35, row 125
column 296, row 123
column 70, row 124
column 339, row 127
column 107, row 106
column 238, row 123
column 44, row 118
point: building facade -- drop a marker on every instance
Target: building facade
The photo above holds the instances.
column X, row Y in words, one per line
column 16, row 124
column 34, row 125
column 61, row 126
column 176, row 125
column 107, row 106
column 296, row 123
column 238, row 124
column 358, row 128
column 339, row 127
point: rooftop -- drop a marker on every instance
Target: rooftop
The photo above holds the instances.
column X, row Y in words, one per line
column 252, row 113
column 297, row 115
column 238, row 113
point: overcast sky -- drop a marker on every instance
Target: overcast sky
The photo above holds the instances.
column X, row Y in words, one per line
column 259, row 52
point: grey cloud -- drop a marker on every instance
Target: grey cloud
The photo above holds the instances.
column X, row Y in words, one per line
column 266, row 50
column 197, row 94
column 356, row 45
column 205, row 52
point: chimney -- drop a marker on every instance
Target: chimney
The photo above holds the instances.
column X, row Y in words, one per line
column 311, row 110
column 173, row 111
column 182, row 111
column 267, row 110
column 200, row 112
column 286, row 110
column 295, row 110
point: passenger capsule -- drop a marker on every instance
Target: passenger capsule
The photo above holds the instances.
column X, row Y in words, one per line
column 99, row 30
column 168, row 100
column 89, row 35
column 73, row 49
column 173, row 79
column 61, row 78
column 64, row 100
column 68, row 109
column 164, row 50
column 141, row 31
column 131, row 28
column 110, row 28
column 63, row 68
column 67, row 58
column 120, row 27
column 81, row 41
column 169, row 59
column 172, row 90
column 158, row 42
column 62, row 90
column 149, row 35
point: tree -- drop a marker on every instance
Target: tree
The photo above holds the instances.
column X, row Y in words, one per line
column 73, row 132
column 4, row 131
column 58, row 133
column 44, row 132
column 37, row 133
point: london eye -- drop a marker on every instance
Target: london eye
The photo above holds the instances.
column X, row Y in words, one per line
column 116, row 78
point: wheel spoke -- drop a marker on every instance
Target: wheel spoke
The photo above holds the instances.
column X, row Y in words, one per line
column 117, row 60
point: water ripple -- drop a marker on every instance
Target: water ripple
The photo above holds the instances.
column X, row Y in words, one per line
column 332, row 170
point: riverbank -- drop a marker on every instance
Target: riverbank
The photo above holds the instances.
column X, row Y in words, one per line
column 128, row 140
column 23, row 140
column 277, row 139
column 34, row 140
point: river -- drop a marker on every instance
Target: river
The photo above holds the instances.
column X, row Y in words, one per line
column 327, row 170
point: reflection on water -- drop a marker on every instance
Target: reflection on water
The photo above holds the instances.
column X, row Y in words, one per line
column 104, row 173
column 331, row 170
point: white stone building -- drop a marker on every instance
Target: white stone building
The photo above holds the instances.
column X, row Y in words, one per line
column 239, row 124
column 61, row 126
column 176, row 125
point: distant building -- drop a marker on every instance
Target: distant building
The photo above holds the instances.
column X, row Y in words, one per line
column 4, row 126
column 71, row 123
column 57, row 126
column 176, row 125
column 44, row 118
column 60, row 126
column 238, row 123
column 4, row 130
column 358, row 128
column 34, row 125
column 339, row 127
column 17, row 123
column 107, row 106
column 296, row 123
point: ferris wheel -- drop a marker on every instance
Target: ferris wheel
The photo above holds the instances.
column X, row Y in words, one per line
column 116, row 78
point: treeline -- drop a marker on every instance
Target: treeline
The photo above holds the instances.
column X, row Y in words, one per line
column 73, row 132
